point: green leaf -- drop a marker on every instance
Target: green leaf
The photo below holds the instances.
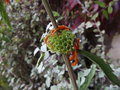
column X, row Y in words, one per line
column 88, row 79
column 110, row 10
column 56, row 14
column 104, row 66
column 95, row 16
column 111, row 3
column 3, row 13
column 105, row 13
column 100, row 3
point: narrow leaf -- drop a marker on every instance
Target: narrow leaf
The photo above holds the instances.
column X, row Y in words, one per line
column 3, row 14
column 56, row 14
column 95, row 16
column 105, row 13
column 100, row 3
column 104, row 66
column 88, row 79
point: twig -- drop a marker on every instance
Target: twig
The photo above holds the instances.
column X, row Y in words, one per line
column 49, row 11
column 70, row 71
column 65, row 57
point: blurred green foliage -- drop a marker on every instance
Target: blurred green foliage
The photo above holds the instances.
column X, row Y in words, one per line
column 17, row 45
column 4, row 84
column 4, row 14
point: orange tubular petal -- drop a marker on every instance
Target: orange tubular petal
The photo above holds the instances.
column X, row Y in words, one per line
column 72, row 57
column 75, row 62
column 62, row 27
column 46, row 38
column 52, row 31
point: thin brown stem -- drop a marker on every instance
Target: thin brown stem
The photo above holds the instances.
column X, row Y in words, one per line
column 70, row 71
column 65, row 57
column 49, row 11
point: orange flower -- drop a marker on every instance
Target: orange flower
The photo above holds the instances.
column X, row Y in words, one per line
column 72, row 57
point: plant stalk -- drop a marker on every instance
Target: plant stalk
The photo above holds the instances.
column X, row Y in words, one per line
column 49, row 11
column 65, row 57
column 70, row 71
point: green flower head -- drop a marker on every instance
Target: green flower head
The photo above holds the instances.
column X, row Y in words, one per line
column 61, row 42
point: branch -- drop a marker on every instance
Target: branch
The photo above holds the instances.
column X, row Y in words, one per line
column 65, row 57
